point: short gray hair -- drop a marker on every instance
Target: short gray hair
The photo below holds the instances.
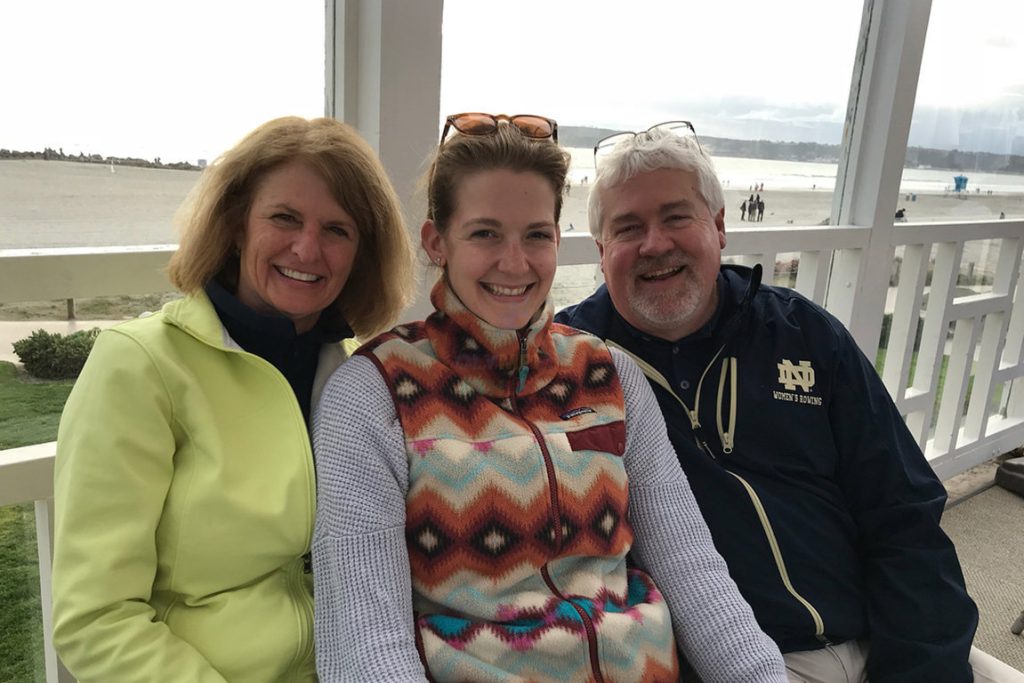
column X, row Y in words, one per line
column 650, row 151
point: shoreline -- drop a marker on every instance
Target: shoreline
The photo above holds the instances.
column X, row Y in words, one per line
column 809, row 208
column 68, row 204
column 85, row 205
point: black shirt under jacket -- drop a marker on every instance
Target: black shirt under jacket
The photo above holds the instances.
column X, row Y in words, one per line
column 272, row 337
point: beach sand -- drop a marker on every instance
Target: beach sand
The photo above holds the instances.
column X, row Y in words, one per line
column 785, row 208
column 70, row 204
column 67, row 204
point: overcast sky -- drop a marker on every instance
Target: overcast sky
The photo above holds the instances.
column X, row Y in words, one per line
column 184, row 80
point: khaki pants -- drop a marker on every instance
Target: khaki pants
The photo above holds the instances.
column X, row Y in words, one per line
column 843, row 663
column 846, row 663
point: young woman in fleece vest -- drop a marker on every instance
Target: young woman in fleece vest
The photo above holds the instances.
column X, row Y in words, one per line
column 498, row 499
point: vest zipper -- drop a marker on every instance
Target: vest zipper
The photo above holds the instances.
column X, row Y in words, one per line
column 556, row 512
column 524, row 368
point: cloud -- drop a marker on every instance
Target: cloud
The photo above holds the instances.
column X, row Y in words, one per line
column 999, row 130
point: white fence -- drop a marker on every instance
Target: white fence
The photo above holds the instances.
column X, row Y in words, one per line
column 964, row 401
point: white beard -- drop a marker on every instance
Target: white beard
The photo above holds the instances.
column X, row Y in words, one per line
column 668, row 310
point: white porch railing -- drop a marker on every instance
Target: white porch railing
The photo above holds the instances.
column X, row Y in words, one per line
column 960, row 417
column 26, row 476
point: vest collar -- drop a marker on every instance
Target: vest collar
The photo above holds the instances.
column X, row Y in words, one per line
column 495, row 362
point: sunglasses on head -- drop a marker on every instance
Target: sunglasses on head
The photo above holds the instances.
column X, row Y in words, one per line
column 477, row 123
column 683, row 129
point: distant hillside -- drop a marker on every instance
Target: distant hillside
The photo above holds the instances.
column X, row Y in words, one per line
column 59, row 155
column 583, row 136
column 917, row 157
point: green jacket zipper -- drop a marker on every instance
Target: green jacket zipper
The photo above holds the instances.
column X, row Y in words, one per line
column 303, row 564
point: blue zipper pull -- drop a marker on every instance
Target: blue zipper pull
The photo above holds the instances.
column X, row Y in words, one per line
column 523, row 372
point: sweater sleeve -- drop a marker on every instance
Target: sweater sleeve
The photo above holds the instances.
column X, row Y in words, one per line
column 715, row 628
column 114, row 466
column 363, row 611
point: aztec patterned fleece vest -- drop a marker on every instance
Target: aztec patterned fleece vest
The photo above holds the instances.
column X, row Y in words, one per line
column 516, row 514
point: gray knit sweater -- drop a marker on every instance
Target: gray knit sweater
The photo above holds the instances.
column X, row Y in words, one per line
column 364, row 613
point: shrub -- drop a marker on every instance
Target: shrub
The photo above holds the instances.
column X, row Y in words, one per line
column 55, row 356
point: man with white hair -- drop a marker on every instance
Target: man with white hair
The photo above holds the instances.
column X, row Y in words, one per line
column 816, row 494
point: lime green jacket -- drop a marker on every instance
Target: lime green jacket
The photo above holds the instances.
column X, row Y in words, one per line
column 185, row 499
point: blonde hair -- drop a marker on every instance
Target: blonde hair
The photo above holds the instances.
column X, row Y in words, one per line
column 215, row 213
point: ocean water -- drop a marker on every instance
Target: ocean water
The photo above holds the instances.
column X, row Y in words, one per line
column 738, row 173
column 934, row 181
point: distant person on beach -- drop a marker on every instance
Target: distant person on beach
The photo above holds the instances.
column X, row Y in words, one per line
column 814, row 490
column 760, row 209
column 743, row 210
column 901, row 214
column 484, row 474
column 184, row 478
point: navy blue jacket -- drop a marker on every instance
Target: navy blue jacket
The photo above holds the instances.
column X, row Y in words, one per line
column 818, row 497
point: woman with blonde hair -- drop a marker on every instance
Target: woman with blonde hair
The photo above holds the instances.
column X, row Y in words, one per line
column 185, row 489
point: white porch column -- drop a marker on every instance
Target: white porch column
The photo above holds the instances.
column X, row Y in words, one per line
column 383, row 76
column 878, row 118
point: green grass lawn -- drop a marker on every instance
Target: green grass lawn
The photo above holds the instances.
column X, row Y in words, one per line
column 29, row 412
column 29, row 408
column 996, row 397
column 95, row 308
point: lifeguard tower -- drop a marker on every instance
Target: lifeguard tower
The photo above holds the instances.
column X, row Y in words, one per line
column 959, row 183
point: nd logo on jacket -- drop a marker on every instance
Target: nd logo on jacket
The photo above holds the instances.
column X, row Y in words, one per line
column 792, row 376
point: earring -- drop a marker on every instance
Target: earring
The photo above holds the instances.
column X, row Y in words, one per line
column 437, row 260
